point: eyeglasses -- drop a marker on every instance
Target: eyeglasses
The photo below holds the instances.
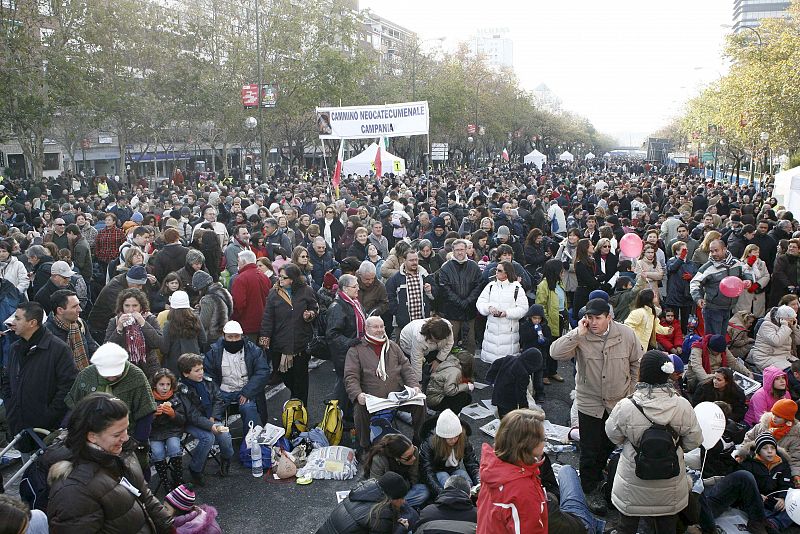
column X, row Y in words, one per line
column 283, row 277
column 328, row 211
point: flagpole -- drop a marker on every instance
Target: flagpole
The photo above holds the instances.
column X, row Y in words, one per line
column 325, row 162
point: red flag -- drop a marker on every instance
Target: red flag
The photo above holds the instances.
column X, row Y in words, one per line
column 505, row 155
column 378, row 165
column 336, row 179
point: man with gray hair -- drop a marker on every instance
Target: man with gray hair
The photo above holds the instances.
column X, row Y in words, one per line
column 249, row 291
column 371, row 292
column 277, row 242
column 41, row 261
column 377, row 238
column 210, row 216
column 461, row 284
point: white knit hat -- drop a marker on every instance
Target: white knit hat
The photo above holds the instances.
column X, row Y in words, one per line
column 109, row 359
column 785, row 312
column 179, row 301
column 448, row 425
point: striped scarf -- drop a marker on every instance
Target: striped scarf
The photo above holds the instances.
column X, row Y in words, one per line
column 75, row 341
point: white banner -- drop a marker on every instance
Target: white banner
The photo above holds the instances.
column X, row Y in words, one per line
column 364, row 122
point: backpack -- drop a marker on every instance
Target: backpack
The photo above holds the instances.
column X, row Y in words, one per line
column 657, row 454
column 294, row 418
column 332, row 424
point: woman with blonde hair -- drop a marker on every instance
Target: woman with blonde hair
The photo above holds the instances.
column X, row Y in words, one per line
column 700, row 256
column 753, row 299
column 447, row 451
column 643, row 319
column 512, row 498
column 648, row 271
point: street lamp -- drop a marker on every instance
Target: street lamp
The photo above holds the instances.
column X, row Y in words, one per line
column 722, row 143
column 764, row 139
column 755, row 31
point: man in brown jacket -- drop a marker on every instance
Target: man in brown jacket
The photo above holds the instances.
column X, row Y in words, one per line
column 377, row 367
column 371, row 291
column 607, row 357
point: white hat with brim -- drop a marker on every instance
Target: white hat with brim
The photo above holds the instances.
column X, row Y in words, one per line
column 109, row 359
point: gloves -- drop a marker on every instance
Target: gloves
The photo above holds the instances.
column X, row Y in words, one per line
column 751, row 260
column 169, row 411
column 686, row 276
column 287, row 361
column 755, row 286
column 684, row 253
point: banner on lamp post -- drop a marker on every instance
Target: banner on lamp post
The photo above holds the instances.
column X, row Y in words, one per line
column 364, row 122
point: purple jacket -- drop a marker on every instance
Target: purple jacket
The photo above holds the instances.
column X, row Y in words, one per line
column 201, row 520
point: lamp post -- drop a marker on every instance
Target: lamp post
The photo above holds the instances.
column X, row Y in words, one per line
column 764, row 139
column 722, row 143
column 260, row 122
column 755, row 31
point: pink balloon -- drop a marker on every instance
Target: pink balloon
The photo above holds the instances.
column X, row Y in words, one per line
column 631, row 245
column 731, row 286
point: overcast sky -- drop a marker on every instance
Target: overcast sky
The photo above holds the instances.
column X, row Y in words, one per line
column 627, row 65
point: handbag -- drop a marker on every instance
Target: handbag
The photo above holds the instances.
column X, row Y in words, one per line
column 317, row 346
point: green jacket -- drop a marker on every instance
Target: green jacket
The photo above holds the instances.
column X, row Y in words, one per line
column 549, row 301
column 132, row 389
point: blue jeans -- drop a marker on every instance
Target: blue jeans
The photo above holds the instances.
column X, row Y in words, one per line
column 442, row 476
column 206, row 440
column 417, row 495
column 738, row 488
column 573, row 500
column 169, row 448
column 716, row 320
column 249, row 410
column 781, row 519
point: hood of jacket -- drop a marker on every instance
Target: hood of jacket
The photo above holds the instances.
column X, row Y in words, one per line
column 770, row 374
column 455, row 499
column 367, row 491
column 495, row 472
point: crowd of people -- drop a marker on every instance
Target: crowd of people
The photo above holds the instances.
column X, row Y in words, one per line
column 139, row 315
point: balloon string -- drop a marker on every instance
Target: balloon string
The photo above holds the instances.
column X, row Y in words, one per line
column 703, row 464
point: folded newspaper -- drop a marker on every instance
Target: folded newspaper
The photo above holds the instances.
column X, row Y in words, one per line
column 396, row 398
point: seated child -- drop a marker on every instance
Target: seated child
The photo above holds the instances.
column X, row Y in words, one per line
column 671, row 343
column 770, row 467
column 189, row 518
column 167, row 430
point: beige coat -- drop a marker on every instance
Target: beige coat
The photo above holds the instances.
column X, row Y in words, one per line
column 605, row 375
column 696, row 374
column 631, row 495
column 790, row 442
column 362, row 362
column 774, row 345
column 445, row 381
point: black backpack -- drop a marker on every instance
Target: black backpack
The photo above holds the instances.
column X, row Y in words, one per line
column 657, row 453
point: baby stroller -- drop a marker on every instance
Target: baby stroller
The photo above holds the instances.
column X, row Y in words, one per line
column 42, row 438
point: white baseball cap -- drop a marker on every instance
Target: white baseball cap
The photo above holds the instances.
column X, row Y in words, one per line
column 62, row 268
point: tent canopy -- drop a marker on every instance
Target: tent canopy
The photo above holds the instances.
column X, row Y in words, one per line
column 364, row 163
column 590, row 156
column 535, row 157
column 566, row 156
column 787, row 189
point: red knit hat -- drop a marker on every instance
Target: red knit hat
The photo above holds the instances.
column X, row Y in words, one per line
column 329, row 281
column 785, row 409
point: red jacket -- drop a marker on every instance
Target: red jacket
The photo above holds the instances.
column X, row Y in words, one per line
column 511, row 499
column 669, row 342
column 249, row 292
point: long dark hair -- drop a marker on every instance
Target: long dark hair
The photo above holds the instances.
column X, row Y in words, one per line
column 645, row 300
column 183, row 323
column 727, row 392
column 511, row 273
column 93, row 413
column 209, row 246
column 391, row 447
column 552, row 273
column 582, row 252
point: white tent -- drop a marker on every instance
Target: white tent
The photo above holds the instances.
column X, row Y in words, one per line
column 607, row 155
column 787, row 189
column 535, row 157
column 589, row 156
column 566, row 156
column 364, row 163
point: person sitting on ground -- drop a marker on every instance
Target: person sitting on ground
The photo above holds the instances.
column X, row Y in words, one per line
column 188, row 517
column 739, row 328
column 773, row 475
column 452, row 382
column 774, row 388
column 452, row 512
column 707, row 355
column 395, row 452
column 446, row 452
column 776, row 340
column 670, row 343
column 17, row 518
column 511, row 377
column 721, row 386
column 376, row 506
column 781, row 423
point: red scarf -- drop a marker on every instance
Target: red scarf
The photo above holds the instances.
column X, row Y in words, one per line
column 359, row 313
column 703, row 344
column 778, row 431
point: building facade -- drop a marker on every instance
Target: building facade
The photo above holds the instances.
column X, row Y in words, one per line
column 748, row 13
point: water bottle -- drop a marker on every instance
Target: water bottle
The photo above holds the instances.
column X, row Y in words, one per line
column 255, row 458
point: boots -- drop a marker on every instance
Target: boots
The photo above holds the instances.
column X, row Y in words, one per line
column 176, row 466
column 163, row 475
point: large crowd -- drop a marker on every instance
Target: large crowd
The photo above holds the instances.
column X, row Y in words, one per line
column 140, row 314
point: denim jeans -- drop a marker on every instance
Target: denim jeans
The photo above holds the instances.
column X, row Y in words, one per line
column 573, row 500
column 716, row 320
column 417, row 495
column 780, row 519
column 442, row 476
column 206, row 440
column 249, row 410
column 738, row 488
column 162, row 449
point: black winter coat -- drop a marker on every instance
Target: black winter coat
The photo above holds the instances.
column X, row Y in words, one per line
column 60, row 333
column 706, row 392
column 86, row 496
column 321, row 265
column 452, row 513
column 258, row 370
column 510, row 376
column 341, row 331
column 35, row 381
column 354, row 514
column 284, row 324
column 460, row 286
column 165, row 426
column 169, row 259
column 430, row 464
column 588, row 281
column 106, row 304
column 678, row 294
column 769, row 480
column 195, row 412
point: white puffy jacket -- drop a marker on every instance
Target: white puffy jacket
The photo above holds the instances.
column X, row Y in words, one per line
column 14, row 271
column 502, row 333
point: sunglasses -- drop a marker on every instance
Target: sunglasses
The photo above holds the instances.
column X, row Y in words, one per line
column 410, row 457
column 283, row 277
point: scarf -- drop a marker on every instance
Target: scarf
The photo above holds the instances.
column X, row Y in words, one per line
column 703, row 344
column 162, row 408
column 75, row 342
column 779, row 431
column 134, row 342
column 202, row 393
column 380, row 346
column 415, row 301
column 361, row 319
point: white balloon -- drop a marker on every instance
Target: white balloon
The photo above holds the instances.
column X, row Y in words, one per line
column 712, row 422
column 793, row 505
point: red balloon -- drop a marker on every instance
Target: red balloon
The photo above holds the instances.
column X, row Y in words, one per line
column 631, row 245
column 731, row 286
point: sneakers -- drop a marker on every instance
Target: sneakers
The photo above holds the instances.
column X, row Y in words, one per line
column 557, row 377
column 546, row 381
column 596, row 501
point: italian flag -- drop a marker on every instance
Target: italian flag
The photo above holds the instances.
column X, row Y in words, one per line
column 505, row 154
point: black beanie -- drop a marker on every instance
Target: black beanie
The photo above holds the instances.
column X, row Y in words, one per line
column 393, row 485
column 651, row 367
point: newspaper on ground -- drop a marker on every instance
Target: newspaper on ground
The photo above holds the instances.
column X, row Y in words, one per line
column 480, row 385
column 556, row 432
column 476, row 411
column 491, row 427
column 396, row 398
